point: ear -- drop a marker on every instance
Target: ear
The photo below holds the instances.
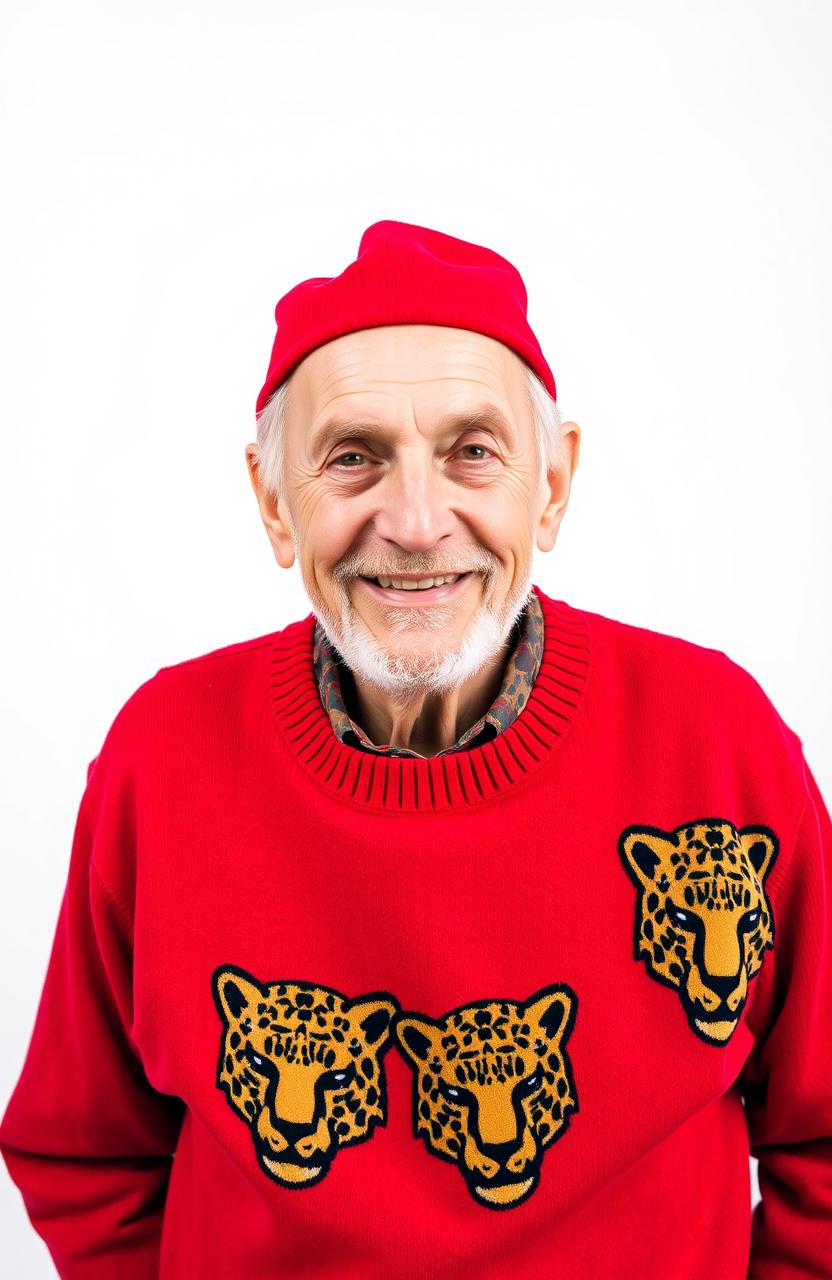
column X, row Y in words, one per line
column 761, row 847
column 644, row 852
column 373, row 1017
column 550, row 1012
column 235, row 990
column 273, row 512
column 557, row 486
column 418, row 1037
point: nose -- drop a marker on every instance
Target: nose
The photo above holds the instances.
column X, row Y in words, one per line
column 722, row 985
column 721, row 953
column 292, row 1131
column 414, row 504
column 499, row 1151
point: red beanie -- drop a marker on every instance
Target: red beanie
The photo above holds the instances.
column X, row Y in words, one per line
column 406, row 274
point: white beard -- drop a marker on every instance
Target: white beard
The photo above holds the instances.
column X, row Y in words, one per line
column 403, row 675
column 410, row 674
column 406, row 674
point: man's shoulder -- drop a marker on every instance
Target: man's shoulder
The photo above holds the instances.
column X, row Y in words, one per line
column 661, row 667
column 180, row 692
column 225, row 656
column 639, row 642
column 226, row 662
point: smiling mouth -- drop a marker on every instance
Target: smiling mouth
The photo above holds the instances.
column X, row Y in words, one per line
column 415, row 582
column 411, row 589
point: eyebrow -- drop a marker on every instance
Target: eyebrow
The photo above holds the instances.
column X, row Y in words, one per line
column 481, row 415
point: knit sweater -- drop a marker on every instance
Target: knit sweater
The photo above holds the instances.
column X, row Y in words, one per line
column 336, row 683
column 515, row 1011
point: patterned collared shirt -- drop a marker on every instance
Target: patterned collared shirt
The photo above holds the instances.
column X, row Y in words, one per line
column 334, row 676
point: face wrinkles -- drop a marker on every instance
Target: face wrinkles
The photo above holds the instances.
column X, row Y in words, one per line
column 394, row 421
column 400, row 412
column 409, row 491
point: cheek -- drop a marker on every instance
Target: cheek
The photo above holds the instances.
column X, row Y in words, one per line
column 327, row 527
column 309, row 505
column 508, row 511
column 500, row 517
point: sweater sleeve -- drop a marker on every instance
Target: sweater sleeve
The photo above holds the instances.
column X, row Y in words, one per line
column 87, row 1140
column 787, row 1080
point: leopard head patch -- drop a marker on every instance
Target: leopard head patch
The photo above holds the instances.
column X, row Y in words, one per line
column 493, row 1087
column 301, row 1065
column 703, row 920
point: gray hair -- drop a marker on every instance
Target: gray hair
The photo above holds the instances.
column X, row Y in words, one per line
column 270, row 453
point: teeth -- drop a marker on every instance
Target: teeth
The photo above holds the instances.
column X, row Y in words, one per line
column 418, row 584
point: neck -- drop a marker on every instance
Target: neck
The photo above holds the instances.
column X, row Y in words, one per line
column 380, row 783
column 426, row 722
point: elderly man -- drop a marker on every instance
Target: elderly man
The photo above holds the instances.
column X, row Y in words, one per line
column 451, row 930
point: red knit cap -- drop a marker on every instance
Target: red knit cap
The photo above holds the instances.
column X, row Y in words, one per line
column 405, row 274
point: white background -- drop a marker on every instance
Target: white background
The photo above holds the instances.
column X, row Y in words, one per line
column 658, row 172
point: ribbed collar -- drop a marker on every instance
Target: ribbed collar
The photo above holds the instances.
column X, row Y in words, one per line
column 333, row 677
column 369, row 780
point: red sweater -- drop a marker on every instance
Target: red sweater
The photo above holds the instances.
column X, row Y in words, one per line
column 507, row 1012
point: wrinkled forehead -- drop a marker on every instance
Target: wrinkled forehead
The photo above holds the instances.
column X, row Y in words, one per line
column 412, row 368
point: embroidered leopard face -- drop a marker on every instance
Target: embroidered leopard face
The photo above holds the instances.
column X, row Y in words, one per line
column 703, row 920
column 301, row 1065
column 493, row 1087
